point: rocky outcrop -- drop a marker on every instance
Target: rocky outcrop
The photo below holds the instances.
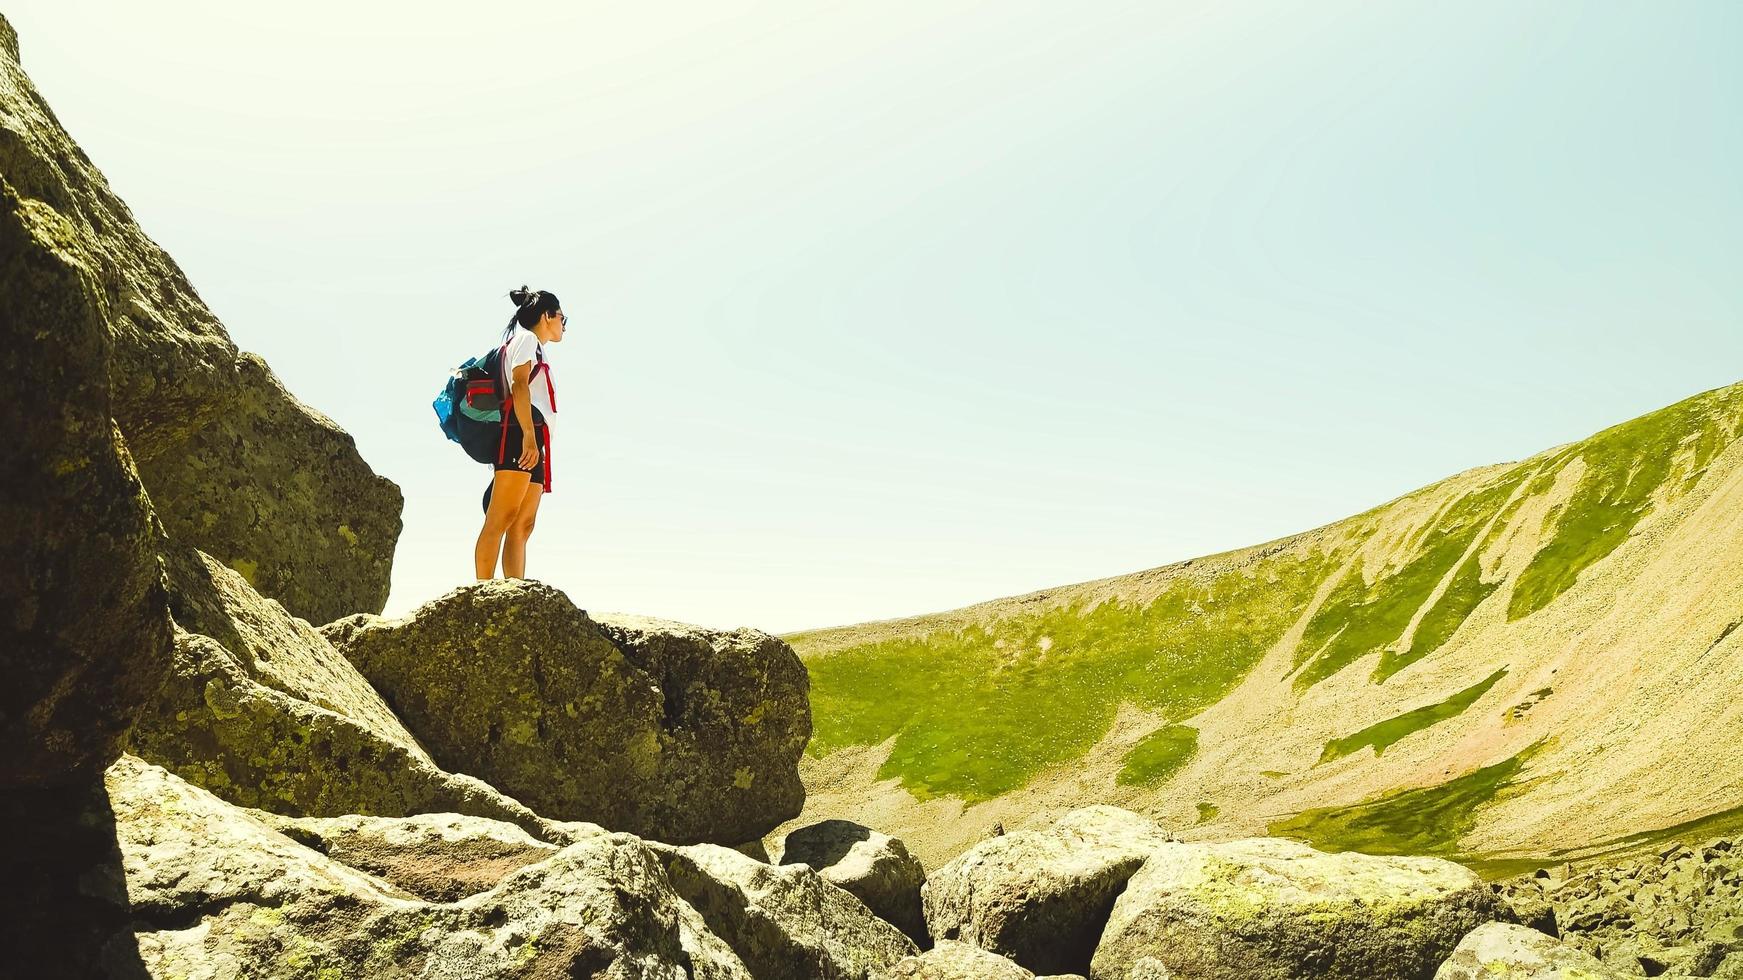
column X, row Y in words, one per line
column 1507, row 951
column 784, row 922
column 260, row 709
column 1270, row 909
column 1679, row 910
column 234, row 464
column 735, row 717
column 212, row 889
column 664, row 730
column 875, row 868
column 84, row 632
column 1040, row 897
column 211, row 886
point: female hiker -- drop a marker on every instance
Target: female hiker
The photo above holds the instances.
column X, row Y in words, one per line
column 523, row 474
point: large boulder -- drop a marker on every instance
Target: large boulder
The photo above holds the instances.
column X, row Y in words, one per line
column 1508, row 951
column 783, row 922
column 85, row 633
column 1272, row 909
column 260, row 709
column 664, row 730
column 875, row 868
column 84, row 627
column 1040, row 897
column 235, row 465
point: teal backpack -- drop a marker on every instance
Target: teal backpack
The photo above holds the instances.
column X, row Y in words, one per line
column 470, row 406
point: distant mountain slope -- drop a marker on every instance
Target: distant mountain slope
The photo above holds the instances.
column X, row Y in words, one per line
column 1515, row 661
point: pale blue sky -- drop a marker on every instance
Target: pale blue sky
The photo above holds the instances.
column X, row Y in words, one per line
column 885, row 308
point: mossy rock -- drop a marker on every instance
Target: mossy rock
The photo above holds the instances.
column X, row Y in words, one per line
column 235, row 465
column 1271, row 909
column 84, row 626
column 660, row 729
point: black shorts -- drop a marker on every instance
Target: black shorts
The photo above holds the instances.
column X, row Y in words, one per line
column 511, row 448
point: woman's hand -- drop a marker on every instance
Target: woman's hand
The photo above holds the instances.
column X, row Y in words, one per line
column 529, row 452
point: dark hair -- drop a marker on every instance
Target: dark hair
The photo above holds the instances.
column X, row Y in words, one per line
column 529, row 306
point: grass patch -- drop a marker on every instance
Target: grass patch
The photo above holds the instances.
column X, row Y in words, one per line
column 1383, row 734
column 1359, row 618
column 1625, row 467
column 1723, row 823
column 1415, row 821
column 1207, row 812
column 980, row 711
column 1159, row 755
column 1462, row 597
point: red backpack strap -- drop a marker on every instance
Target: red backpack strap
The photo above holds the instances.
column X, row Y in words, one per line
column 546, row 429
column 544, row 366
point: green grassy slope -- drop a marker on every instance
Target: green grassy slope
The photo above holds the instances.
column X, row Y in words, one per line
column 980, row 701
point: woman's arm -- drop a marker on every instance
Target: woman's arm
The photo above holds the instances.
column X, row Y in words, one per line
column 522, row 393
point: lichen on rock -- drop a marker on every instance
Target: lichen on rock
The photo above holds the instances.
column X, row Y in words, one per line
column 1272, row 909
column 634, row 724
column 235, row 465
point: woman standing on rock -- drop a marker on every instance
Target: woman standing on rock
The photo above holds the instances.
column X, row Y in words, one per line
column 523, row 473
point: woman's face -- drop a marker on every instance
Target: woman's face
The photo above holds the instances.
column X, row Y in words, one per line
column 551, row 327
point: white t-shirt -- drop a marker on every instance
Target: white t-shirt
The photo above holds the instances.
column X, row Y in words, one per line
column 524, row 347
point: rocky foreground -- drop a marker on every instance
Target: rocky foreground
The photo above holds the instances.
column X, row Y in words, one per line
column 203, row 888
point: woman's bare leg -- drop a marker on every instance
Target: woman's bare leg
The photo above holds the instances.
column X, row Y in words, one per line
column 514, row 547
column 505, row 496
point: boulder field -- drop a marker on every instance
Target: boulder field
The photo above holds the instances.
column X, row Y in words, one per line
column 661, row 729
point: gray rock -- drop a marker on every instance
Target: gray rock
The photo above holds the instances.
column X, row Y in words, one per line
column 668, row 731
column 215, row 891
column 1271, row 909
column 260, row 709
column 1526, row 901
column 875, row 868
column 85, row 634
column 783, row 921
column 84, row 629
column 1040, row 897
column 736, row 714
column 950, row 960
column 1508, row 951
column 439, row 857
column 234, row 464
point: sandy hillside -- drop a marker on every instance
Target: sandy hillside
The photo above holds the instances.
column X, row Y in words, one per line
column 1519, row 661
